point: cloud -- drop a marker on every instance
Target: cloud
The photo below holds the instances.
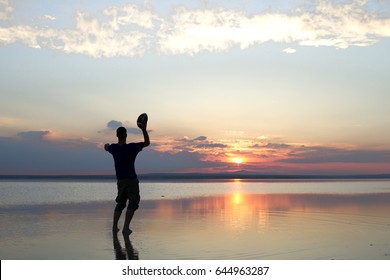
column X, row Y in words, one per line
column 133, row 30
column 114, row 124
column 33, row 135
column 32, row 153
column 153, row 161
column 277, row 146
column 97, row 38
column 5, row 9
column 44, row 152
column 131, row 14
column 119, row 33
column 193, row 31
column 336, row 155
column 49, row 17
column 193, row 145
column 210, row 145
column 338, row 25
column 187, row 139
column 289, row 50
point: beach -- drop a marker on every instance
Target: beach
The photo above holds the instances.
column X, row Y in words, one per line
column 200, row 220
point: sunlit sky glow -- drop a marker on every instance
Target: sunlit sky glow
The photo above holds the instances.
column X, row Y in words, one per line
column 284, row 87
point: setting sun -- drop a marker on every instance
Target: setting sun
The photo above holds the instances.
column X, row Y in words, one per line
column 237, row 160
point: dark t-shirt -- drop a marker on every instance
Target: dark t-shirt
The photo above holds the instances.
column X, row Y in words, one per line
column 124, row 158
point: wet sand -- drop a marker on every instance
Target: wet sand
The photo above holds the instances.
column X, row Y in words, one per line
column 231, row 226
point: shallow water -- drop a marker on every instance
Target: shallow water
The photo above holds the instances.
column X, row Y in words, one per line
column 194, row 220
column 52, row 192
column 274, row 226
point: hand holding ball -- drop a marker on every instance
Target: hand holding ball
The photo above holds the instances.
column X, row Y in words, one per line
column 142, row 120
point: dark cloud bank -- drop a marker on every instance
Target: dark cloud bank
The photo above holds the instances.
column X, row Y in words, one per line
column 32, row 153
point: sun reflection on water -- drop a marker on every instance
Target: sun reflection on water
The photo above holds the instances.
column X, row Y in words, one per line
column 243, row 212
column 240, row 211
column 237, row 198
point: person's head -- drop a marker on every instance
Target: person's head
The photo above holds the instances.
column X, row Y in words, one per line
column 121, row 133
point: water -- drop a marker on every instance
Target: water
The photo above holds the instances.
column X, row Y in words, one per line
column 231, row 219
column 24, row 192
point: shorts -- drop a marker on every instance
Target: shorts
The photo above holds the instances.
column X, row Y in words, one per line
column 128, row 190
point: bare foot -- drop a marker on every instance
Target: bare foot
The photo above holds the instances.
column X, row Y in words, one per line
column 127, row 231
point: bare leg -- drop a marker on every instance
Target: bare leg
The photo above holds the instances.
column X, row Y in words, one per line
column 129, row 217
column 117, row 215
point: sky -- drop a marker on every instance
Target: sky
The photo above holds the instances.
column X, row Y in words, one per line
column 271, row 86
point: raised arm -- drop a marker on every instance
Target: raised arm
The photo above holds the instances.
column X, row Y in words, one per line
column 145, row 133
column 146, row 137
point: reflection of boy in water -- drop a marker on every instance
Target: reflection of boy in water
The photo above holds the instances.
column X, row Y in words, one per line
column 128, row 189
column 120, row 254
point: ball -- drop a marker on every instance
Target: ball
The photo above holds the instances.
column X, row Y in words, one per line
column 142, row 119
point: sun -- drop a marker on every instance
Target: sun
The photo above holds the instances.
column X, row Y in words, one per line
column 237, row 160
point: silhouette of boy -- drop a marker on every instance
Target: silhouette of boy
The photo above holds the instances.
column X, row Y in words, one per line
column 127, row 181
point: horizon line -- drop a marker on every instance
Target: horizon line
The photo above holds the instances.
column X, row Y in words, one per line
column 200, row 176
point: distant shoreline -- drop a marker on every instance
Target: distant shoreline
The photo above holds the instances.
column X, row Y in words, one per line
column 200, row 177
